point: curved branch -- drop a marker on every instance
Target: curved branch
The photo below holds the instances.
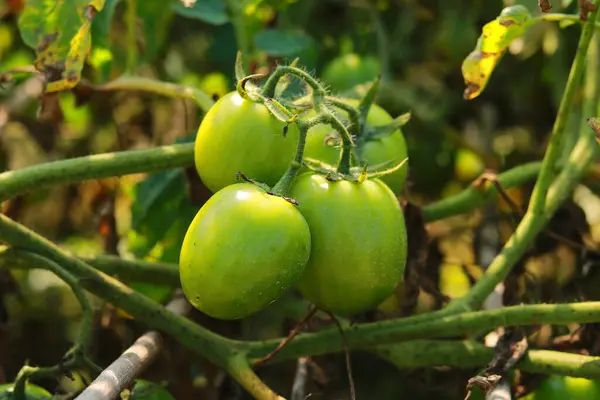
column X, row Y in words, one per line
column 203, row 100
column 96, row 166
column 472, row 197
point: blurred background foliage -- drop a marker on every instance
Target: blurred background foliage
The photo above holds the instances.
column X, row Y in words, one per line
column 418, row 47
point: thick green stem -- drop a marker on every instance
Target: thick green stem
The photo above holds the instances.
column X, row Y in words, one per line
column 553, row 152
column 215, row 348
column 128, row 270
column 203, row 100
column 353, row 113
column 473, row 197
column 397, row 330
column 470, row 354
column 132, row 53
column 97, row 166
column 240, row 368
column 268, row 89
column 531, row 225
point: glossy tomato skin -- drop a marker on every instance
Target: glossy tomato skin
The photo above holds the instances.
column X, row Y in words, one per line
column 567, row 387
column 242, row 251
column 239, row 135
column 358, row 235
column 346, row 71
column 392, row 147
column 32, row 392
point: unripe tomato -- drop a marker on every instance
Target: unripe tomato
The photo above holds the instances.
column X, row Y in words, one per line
column 242, row 251
column 358, row 235
column 346, row 71
column 372, row 152
column 566, row 387
column 32, row 392
column 239, row 135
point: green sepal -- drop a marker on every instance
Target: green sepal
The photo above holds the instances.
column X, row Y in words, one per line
column 378, row 132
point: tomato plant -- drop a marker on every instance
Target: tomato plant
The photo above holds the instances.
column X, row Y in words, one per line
column 323, row 143
column 241, row 135
column 358, row 235
column 243, row 250
column 32, row 392
column 566, row 387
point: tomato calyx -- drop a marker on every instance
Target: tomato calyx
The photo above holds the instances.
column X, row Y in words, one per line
column 265, row 187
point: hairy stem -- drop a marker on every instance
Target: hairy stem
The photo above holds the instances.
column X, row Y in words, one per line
column 96, row 166
column 240, row 368
column 549, row 164
column 128, row 270
column 353, row 113
column 268, row 89
column 168, row 89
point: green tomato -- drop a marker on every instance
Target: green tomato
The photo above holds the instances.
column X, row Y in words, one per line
column 372, row 152
column 242, row 251
column 358, row 235
column 567, row 387
column 32, row 392
column 346, row 71
column 239, row 135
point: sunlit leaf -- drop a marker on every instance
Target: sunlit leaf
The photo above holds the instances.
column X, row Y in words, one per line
column 59, row 32
column 212, row 12
column 491, row 46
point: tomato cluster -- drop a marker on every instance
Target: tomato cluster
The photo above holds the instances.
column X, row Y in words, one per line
column 340, row 241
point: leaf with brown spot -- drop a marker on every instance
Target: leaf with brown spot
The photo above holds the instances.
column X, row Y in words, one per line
column 495, row 38
column 59, row 32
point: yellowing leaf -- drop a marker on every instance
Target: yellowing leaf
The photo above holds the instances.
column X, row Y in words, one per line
column 495, row 38
column 59, row 32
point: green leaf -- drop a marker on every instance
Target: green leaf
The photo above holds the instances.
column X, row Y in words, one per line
column 212, row 12
column 279, row 43
column 146, row 390
column 156, row 19
column 101, row 56
column 365, row 104
column 492, row 44
column 59, row 32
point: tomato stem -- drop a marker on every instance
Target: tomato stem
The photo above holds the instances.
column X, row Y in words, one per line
column 353, row 113
column 269, row 87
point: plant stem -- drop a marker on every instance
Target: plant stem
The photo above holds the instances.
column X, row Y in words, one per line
column 128, row 270
column 397, row 330
column 203, row 100
column 353, row 113
column 531, row 225
column 557, row 17
column 472, row 197
column 268, row 90
column 215, row 348
column 96, row 166
column 283, row 186
column 471, row 354
column 132, row 53
column 244, row 374
column 549, row 164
